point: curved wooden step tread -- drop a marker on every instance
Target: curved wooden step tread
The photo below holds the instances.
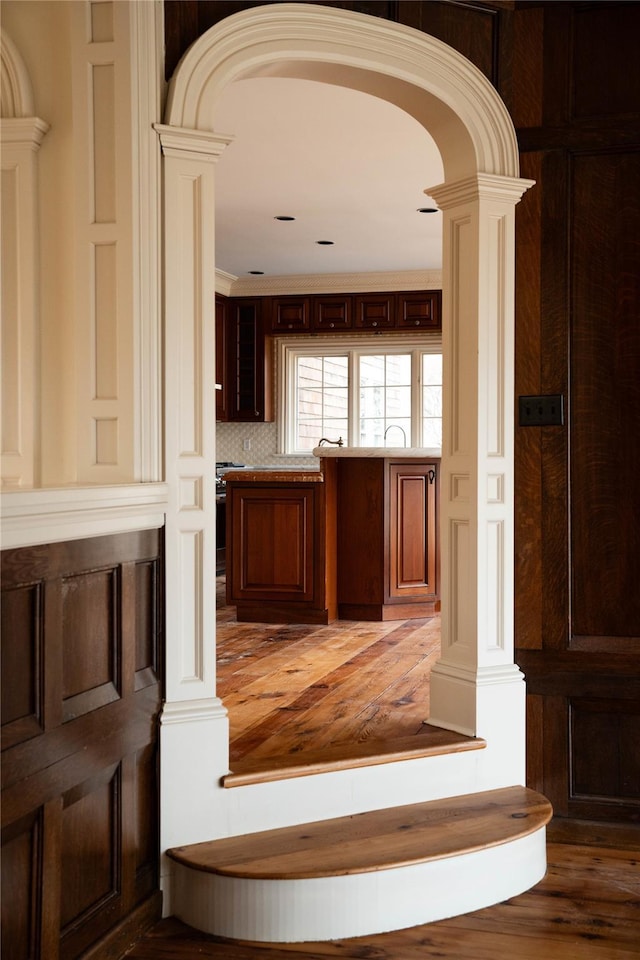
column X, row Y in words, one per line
column 376, row 840
column 431, row 742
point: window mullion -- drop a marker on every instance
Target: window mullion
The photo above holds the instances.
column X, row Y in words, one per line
column 416, row 398
column 354, row 398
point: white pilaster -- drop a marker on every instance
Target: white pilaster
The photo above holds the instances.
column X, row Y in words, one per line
column 194, row 732
column 476, row 672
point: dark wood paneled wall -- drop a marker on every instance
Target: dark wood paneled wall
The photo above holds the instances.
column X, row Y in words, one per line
column 578, row 333
column 81, row 675
column 567, row 73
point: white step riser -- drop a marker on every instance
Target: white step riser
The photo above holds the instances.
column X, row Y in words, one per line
column 267, row 806
column 289, row 911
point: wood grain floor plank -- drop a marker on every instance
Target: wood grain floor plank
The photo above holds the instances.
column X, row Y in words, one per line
column 298, row 687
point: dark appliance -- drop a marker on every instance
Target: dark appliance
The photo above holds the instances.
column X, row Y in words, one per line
column 221, row 513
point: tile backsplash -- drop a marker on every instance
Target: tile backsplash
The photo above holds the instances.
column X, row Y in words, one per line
column 261, row 438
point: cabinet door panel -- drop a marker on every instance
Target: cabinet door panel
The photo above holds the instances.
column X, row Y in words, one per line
column 249, row 370
column 374, row 311
column 222, row 412
column 419, row 309
column 412, row 529
column 273, row 544
column 290, row 314
column 332, row 312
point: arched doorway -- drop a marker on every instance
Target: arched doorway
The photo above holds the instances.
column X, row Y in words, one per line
column 476, row 687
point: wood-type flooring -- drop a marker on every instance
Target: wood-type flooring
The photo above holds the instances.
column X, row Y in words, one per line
column 291, row 688
column 586, row 908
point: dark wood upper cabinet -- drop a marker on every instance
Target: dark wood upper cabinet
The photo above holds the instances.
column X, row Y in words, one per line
column 419, row 309
column 222, row 393
column 290, row 314
column 332, row 312
column 249, row 362
column 374, row 311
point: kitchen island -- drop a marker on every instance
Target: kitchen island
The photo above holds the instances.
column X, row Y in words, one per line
column 387, row 533
column 356, row 539
column 281, row 545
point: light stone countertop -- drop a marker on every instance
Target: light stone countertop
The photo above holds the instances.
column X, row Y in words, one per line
column 419, row 453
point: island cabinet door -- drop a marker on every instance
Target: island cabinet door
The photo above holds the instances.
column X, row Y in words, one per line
column 412, row 531
column 272, row 546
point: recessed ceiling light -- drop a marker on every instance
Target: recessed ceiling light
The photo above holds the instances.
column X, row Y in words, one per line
column 257, row 273
column 284, row 218
column 427, row 210
column 325, row 243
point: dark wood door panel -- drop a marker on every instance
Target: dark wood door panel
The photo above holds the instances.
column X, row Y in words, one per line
column 22, row 876
column 22, row 662
column 82, row 628
column 605, row 398
column 605, row 767
column 45, row 767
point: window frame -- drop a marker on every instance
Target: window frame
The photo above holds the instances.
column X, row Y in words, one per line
column 289, row 348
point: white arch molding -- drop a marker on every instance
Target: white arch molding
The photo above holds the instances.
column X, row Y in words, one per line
column 476, row 688
column 22, row 134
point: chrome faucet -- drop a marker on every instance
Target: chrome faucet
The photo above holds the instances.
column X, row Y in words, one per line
column 398, row 427
column 339, row 442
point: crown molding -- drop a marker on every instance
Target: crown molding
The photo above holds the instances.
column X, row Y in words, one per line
column 231, row 286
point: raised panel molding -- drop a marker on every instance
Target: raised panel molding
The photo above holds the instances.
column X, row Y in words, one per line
column 493, row 620
column 80, row 794
column 497, row 369
column 105, row 321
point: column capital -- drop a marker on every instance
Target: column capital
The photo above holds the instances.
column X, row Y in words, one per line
column 483, row 186
column 182, row 143
column 23, row 131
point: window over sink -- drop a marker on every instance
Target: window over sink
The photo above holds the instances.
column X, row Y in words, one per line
column 369, row 392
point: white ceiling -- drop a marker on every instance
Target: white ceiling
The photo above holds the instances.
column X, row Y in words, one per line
column 348, row 166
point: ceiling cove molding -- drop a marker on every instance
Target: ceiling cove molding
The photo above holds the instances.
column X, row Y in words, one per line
column 231, row 286
column 443, row 90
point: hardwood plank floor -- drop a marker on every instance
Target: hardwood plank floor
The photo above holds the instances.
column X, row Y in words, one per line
column 290, row 688
column 586, row 908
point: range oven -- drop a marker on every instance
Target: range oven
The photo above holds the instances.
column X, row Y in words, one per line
column 221, row 512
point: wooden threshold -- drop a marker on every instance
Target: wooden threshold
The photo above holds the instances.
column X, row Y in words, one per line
column 376, row 840
column 432, row 741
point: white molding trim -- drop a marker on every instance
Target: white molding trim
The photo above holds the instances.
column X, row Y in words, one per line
column 17, row 92
column 460, row 107
column 191, row 144
column 186, row 711
column 382, row 281
column 31, row 517
column 147, row 88
column 23, row 131
column 21, row 139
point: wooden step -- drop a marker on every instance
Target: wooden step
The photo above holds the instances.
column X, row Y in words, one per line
column 370, row 872
column 431, row 742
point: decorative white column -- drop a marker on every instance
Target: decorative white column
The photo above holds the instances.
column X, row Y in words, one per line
column 194, row 725
column 476, row 688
